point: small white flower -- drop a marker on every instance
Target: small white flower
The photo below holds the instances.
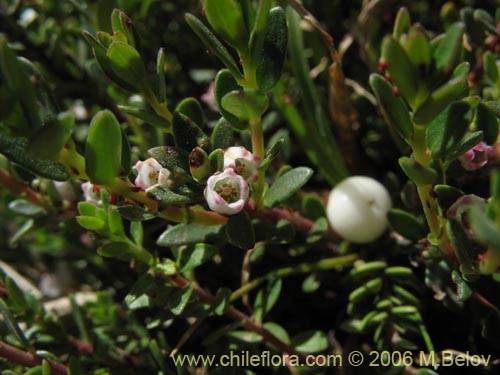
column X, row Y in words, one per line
column 357, row 209
column 65, row 190
column 242, row 161
column 91, row 193
column 150, row 173
column 226, row 192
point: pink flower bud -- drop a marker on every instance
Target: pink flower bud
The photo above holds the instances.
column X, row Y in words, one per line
column 226, row 192
column 476, row 157
column 91, row 193
column 242, row 161
column 150, row 174
column 209, row 98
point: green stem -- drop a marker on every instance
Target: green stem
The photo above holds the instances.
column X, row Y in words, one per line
column 304, row 268
column 258, row 150
column 160, row 108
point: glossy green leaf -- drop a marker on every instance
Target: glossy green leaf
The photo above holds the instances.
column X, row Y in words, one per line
column 147, row 116
column 222, row 301
column 447, row 195
column 223, row 135
column 226, row 17
column 364, row 270
column 245, row 105
column 187, row 134
column 214, row 45
column 91, row 223
column 484, row 229
column 216, row 158
column 448, row 51
column 266, row 298
column 406, row 224
column 465, row 144
column 135, row 213
column 486, row 121
column 14, row 149
column 417, row 47
column 287, row 185
column 49, row 140
column 103, row 149
column 448, row 129
column 463, row 248
column 403, row 74
column 310, row 342
column 402, row 22
column 365, row 291
column 191, row 257
column 176, row 160
column 439, row 99
column 239, row 231
column 17, row 81
column 418, row 173
column 224, row 84
column 104, row 38
column 179, row 299
column 191, row 108
column 126, row 63
column 272, row 54
column 185, row 234
column 130, row 31
column 393, row 108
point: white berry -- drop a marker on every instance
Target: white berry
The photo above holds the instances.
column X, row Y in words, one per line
column 357, row 209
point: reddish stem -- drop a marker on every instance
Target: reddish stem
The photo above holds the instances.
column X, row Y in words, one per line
column 20, row 188
column 27, row 359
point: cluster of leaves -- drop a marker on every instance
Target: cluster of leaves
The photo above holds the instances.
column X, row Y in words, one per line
column 175, row 271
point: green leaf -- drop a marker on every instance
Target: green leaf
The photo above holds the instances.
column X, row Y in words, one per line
column 226, row 17
column 187, row 134
column 115, row 223
column 147, row 116
column 406, row 224
column 176, row 160
column 313, row 207
column 118, row 250
column 103, row 150
column 87, row 209
column 370, row 288
column 199, row 165
column 216, row 158
column 277, row 331
column 439, row 99
column 287, row 185
column 91, row 223
column 49, row 140
column 464, row 291
column 393, row 108
column 10, row 323
column 245, row 105
column 126, row 159
column 224, row 84
column 402, row 22
column 185, row 234
column 214, row 45
column 26, row 208
column 490, row 67
column 192, row 257
column 447, row 195
column 448, row 129
column 191, row 108
column 465, row 144
column 223, row 135
column 418, row 173
column 180, row 298
column 266, row 298
column 486, row 121
column 463, row 249
column 417, row 47
column 364, row 270
column 222, row 301
column 311, row 283
column 272, row 54
column 489, row 23
column 17, row 81
column 239, row 231
column 137, row 232
column 448, row 51
column 135, row 213
column 401, row 71
column 126, row 63
column 165, row 196
column 310, row 342
column 160, row 71
column 484, row 229
column 318, row 230
column 14, row 149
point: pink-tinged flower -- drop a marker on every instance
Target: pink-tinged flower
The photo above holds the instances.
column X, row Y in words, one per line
column 150, row 174
column 242, row 161
column 91, row 193
column 476, row 157
column 226, row 192
column 209, row 98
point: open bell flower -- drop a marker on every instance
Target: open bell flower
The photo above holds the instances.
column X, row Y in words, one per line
column 150, row 174
column 226, row 192
column 242, row 161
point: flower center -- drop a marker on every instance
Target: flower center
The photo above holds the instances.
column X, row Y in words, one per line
column 228, row 190
column 153, row 175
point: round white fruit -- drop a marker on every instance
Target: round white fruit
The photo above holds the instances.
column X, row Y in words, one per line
column 357, row 209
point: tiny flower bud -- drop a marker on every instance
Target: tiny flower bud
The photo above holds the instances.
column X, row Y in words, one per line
column 476, row 157
column 65, row 190
column 242, row 161
column 199, row 164
column 91, row 193
column 226, row 192
column 150, row 174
